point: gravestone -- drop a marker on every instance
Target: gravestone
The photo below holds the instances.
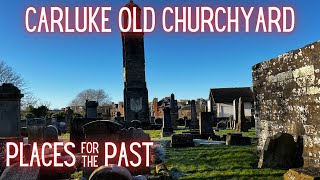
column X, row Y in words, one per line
column 51, row 134
column 54, row 120
column 242, row 123
column 36, row 129
column 174, row 111
column 194, row 124
column 281, row 151
column 101, row 131
column 10, row 117
column 10, row 113
column 187, row 122
column 91, row 109
column 159, row 121
column 15, row 172
column 167, row 129
column 182, row 140
column 135, row 124
column 68, row 118
column 235, row 113
column 205, row 123
column 111, row 172
column 236, row 139
column 181, row 122
column 221, row 125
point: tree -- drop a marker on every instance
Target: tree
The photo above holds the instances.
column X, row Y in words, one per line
column 92, row 95
column 8, row 75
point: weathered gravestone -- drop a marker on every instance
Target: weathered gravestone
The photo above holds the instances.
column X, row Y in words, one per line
column 167, row 129
column 221, row 125
column 287, row 92
column 111, row 172
column 76, row 131
column 135, row 124
column 236, row 139
column 10, row 114
column 102, row 131
column 15, row 172
column 205, row 123
column 182, row 140
column 174, row 111
column 194, row 124
column 10, row 117
column 91, row 109
column 36, row 129
column 235, row 113
column 242, row 125
column 68, row 118
column 281, row 151
column 51, row 134
column 308, row 173
column 181, row 122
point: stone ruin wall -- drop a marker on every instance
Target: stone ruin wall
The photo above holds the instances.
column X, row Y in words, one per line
column 287, row 99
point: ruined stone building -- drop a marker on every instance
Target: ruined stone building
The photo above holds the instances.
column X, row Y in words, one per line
column 287, row 99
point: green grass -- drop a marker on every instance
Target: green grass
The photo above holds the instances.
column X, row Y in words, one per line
column 156, row 134
column 217, row 162
column 65, row 136
column 251, row 133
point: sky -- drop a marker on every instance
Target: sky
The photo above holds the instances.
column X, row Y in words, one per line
column 57, row 66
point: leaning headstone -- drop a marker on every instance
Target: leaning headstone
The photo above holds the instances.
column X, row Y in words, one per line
column 174, row 111
column 91, row 109
column 111, row 172
column 15, row 172
column 205, row 123
column 194, row 124
column 182, row 140
column 281, row 151
column 167, row 129
column 307, row 173
column 51, row 134
column 36, row 129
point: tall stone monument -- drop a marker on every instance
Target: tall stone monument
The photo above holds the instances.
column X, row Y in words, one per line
column 136, row 106
column 174, row 111
column 194, row 124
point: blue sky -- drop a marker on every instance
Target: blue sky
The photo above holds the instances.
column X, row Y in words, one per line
column 58, row 66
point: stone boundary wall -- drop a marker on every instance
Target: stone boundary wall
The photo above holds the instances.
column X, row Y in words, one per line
column 287, row 99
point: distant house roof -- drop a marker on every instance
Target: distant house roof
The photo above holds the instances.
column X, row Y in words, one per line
column 227, row 95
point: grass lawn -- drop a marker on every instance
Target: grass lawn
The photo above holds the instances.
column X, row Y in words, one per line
column 214, row 161
column 217, row 162
column 251, row 133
